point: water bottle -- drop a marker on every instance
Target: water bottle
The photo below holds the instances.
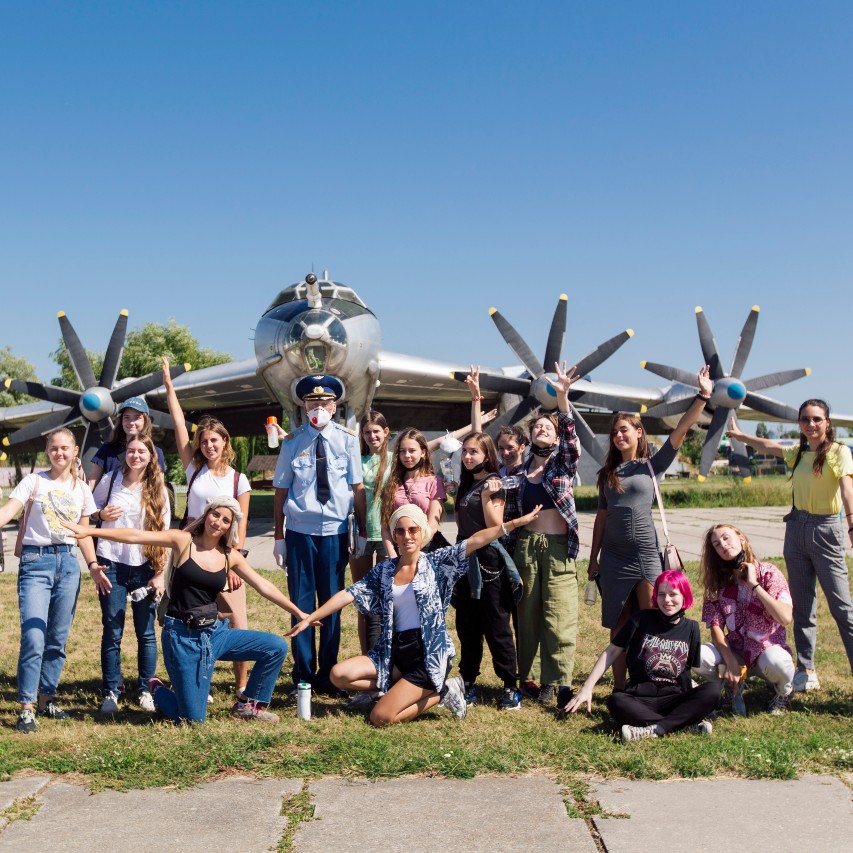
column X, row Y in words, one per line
column 272, row 432
column 446, row 467
column 303, row 701
column 511, row 482
column 590, row 595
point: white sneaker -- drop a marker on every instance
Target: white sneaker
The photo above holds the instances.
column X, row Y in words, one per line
column 805, row 681
column 701, row 728
column 146, row 701
column 453, row 697
column 637, row 732
column 110, row 704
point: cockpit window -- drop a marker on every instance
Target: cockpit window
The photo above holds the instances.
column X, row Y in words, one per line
column 287, row 311
column 341, row 300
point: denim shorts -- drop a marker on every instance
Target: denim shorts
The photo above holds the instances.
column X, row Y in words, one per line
column 407, row 655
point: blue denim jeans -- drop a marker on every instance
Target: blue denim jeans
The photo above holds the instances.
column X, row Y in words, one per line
column 125, row 579
column 475, row 575
column 189, row 656
column 48, row 586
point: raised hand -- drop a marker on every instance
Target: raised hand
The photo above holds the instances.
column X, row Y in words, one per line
column 565, row 378
column 472, row 380
column 167, row 376
column 706, row 384
column 734, row 431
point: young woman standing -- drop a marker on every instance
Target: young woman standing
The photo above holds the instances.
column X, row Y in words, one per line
column 822, row 480
column 48, row 573
column 208, row 464
column 134, row 496
column 625, row 556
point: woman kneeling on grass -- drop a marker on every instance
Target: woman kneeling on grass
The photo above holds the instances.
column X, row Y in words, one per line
column 747, row 606
column 411, row 593
column 661, row 645
column 193, row 638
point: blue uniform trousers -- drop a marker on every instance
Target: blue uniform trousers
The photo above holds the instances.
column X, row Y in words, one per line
column 315, row 572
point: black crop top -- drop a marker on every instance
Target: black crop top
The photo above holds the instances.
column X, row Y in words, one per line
column 193, row 586
column 534, row 493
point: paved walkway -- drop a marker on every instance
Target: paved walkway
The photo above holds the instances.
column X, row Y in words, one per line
column 763, row 526
column 814, row 813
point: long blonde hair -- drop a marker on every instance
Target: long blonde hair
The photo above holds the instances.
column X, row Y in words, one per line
column 715, row 575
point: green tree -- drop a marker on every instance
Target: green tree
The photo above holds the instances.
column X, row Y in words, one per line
column 691, row 449
column 761, row 430
column 142, row 353
column 16, row 367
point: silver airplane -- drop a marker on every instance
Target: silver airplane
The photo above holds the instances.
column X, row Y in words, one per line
column 321, row 326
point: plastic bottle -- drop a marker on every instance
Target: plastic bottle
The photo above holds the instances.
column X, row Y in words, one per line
column 590, row 595
column 303, row 701
column 272, row 432
column 510, row 482
column 446, row 467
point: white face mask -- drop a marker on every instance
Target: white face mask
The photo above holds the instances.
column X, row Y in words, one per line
column 319, row 417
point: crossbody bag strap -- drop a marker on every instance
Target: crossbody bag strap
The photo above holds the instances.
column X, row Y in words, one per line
column 183, row 523
column 236, row 482
column 660, row 502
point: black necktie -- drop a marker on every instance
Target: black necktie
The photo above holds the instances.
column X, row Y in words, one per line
column 323, row 491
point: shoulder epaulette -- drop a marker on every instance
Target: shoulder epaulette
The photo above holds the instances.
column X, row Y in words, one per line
column 352, row 432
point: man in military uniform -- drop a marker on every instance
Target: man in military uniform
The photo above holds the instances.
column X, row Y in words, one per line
column 317, row 483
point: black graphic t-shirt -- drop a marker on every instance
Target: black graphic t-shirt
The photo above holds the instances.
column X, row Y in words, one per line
column 659, row 651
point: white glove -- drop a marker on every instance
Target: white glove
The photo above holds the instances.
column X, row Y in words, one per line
column 279, row 552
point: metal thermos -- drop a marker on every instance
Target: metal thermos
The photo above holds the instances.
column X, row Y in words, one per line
column 303, row 701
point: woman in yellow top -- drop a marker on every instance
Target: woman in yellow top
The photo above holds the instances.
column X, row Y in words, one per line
column 822, row 479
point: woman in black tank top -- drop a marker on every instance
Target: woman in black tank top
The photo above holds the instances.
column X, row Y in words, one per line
column 193, row 638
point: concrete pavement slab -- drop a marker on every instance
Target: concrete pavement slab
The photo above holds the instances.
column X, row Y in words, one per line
column 441, row 815
column 19, row 789
column 229, row 814
column 814, row 813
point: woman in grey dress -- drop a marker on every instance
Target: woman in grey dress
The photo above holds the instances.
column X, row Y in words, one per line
column 624, row 555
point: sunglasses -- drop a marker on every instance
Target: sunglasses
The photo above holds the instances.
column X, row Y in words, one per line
column 807, row 420
column 402, row 531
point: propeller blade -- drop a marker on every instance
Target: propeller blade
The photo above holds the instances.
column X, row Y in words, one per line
column 513, row 415
column 771, row 407
column 712, row 440
column 740, row 459
column 516, row 344
column 603, row 401
column 744, row 343
column 557, row 334
column 114, row 350
column 674, row 374
column 51, row 393
column 589, row 362
column 773, row 380
column 504, row 384
column 96, row 434
column 144, row 384
column 41, row 427
column 673, row 407
column 79, row 360
column 709, row 345
column 587, row 437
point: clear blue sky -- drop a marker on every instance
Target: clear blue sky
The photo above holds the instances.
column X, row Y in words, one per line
column 190, row 159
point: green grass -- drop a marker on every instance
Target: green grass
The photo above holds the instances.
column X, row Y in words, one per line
column 133, row 752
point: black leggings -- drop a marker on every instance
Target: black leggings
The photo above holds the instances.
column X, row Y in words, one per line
column 649, row 704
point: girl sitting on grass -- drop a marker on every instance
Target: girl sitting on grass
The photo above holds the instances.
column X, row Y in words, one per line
column 747, row 606
column 411, row 593
column 660, row 646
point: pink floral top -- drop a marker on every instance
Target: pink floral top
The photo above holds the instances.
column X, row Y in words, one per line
column 749, row 628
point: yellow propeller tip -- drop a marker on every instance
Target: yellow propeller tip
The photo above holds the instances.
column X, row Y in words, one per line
column 450, row 374
column 6, row 441
column 563, row 297
column 492, row 311
column 60, row 314
column 193, row 427
column 698, row 309
column 187, row 366
column 3, row 457
column 643, row 408
column 8, row 383
column 643, row 364
column 755, row 308
column 747, row 479
column 123, row 312
column 808, row 371
column 629, row 333
column 701, row 478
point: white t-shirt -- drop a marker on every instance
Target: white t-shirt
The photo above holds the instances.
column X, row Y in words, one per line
column 56, row 501
column 130, row 501
column 206, row 486
column 406, row 613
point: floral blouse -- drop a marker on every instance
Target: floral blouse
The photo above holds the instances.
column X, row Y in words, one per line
column 749, row 628
column 432, row 584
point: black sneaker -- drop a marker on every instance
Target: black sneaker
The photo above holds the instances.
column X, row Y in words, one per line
column 530, row 689
column 564, row 696
column 546, row 694
column 53, row 711
column 26, row 723
column 510, row 700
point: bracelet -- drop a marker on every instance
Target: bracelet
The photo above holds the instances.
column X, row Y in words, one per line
column 477, row 399
column 89, row 564
column 503, row 527
column 752, row 588
column 700, row 397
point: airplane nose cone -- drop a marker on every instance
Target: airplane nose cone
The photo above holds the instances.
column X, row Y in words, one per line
column 314, row 332
column 736, row 391
column 90, row 402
